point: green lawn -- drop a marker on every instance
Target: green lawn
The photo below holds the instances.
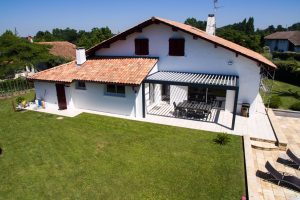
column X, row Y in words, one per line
column 96, row 157
column 288, row 93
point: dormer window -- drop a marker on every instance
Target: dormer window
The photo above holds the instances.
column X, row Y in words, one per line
column 176, row 47
column 141, row 47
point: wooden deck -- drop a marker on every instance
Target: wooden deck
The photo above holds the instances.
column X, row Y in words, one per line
column 165, row 109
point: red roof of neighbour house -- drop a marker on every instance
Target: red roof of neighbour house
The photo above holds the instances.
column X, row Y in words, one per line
column 116, row 70
column 62, row 48
column 218, row 41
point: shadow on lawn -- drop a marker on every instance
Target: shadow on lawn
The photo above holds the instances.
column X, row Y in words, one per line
column 288, row 93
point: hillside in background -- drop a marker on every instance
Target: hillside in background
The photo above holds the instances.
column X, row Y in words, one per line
column 244, row 32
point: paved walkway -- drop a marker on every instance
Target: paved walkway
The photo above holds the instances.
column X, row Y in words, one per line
column 291, row 129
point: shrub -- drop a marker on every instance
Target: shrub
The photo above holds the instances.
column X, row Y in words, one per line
column 20, row 100
column 275, row 102
column 295, row 106
column 222, row 139
column 286, row 55
column 288, row 71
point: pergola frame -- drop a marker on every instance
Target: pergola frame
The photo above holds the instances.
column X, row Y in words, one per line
column 234, row 87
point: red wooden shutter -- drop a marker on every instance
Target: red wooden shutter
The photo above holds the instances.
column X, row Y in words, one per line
column 141, row 46
column 176, row 47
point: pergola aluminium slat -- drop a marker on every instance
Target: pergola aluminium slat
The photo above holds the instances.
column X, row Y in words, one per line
column 193, row 78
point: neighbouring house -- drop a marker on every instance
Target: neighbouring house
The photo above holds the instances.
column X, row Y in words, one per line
column 63, row 49
column 157, row 65
column 284, row 41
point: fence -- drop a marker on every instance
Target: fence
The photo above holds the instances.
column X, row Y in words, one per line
column 14, row 87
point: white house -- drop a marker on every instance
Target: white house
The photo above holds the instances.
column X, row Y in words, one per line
column 156, row 61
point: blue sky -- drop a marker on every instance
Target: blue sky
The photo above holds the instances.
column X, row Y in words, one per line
column 29, row 16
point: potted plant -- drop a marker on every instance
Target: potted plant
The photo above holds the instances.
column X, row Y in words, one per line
column 19, row 100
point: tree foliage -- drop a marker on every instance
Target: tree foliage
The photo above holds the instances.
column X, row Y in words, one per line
column 80, row 38
column 244, row 33
column 16, row 53
column 196, row 23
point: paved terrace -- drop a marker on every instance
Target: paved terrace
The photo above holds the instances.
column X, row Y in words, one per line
column 266, row 190
column 257, row 126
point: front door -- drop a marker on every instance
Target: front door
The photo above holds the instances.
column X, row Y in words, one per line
column 61, row 96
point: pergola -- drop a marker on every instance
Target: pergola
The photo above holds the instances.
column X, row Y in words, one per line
column 215, row 81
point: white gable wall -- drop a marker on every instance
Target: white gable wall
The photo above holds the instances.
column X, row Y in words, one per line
column 200, row 57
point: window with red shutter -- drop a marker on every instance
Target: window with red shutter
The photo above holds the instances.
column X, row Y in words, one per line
column 141, row 47
column 176, row 47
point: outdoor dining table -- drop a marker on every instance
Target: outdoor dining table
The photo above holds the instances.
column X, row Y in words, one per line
column 195, row 106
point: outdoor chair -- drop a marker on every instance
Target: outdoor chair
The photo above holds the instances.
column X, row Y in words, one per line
column 175, row 109
column 293, row 158
column 181, row 112
column 282, row 177
column 191, row 113
column 200, row 114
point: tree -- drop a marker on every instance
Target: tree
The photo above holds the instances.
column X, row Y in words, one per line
column 195, row 23
column 80, row 38
column 294, row 27
column 250, row 26
column 17, row 52
column 280, row 28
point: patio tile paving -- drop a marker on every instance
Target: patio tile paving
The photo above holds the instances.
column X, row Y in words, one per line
column 267, row 190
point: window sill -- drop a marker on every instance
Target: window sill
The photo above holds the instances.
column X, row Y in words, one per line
column 177, row 55
column 78, row 88
column 114, row 94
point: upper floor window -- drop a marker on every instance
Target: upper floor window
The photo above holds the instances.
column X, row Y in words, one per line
column 176, row 47
column 115, row 90
column 80, row 85
column 141, row 47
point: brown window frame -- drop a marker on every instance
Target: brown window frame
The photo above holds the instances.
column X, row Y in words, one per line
column 141, row 46
column 176, row 46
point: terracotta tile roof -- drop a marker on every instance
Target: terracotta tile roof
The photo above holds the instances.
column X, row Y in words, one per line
column 62, row 48
column 193, row 31
column 292, row 36
column 118, row 70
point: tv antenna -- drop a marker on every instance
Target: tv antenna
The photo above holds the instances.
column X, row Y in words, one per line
column 215, row 6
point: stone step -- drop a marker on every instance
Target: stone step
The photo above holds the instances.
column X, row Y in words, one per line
column 267, row 146
column 262, row 140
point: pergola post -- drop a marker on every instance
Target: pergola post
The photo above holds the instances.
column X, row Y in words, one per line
column 143, row 100
column 235, row 107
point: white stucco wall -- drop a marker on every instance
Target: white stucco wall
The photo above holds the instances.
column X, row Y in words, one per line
column 282, row 45
column 47, row 92
column 178, row 93
column 94, row 98
column 229, row 102
column 200, row 57
column 157, row 93
column 297, row 48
